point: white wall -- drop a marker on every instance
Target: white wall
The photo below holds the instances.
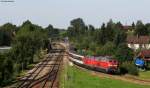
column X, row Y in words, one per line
column 137, row 46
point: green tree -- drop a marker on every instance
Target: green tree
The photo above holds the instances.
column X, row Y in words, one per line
column 148, row 27
column 77, row 27
column 52, row 32
column 110, row 33
column 118, row 26
column 140, row 29
column 7, row 34
column 123, row 53
column 91, row 30
column 102, row 36
column 107, row 49
column 133, row 25
column 120, row 38
column 29, row 39
column 1, row 37
column 6, row 69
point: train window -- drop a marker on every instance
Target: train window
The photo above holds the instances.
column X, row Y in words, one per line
column 104, row 58
column 110, row 61
column 115, row 61
column 98, row 58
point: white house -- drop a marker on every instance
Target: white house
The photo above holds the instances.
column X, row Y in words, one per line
column 138, row 42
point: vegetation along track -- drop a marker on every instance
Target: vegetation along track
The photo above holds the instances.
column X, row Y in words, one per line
column 34, row 80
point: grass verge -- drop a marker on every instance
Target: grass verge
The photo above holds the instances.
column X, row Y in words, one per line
column 72, row 77
column 144, row 75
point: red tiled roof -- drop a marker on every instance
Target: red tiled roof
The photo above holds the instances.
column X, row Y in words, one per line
column 138, row 40
column 145, row 53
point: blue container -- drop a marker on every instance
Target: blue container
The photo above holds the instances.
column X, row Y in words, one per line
column 139, row 62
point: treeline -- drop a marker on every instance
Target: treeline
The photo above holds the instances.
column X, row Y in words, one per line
column 109, row 39
column 8, row 32
column 26, row 41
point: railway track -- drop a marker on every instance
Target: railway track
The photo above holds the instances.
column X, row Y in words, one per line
column 27, row 80
column 36, row 80
column 51, row 77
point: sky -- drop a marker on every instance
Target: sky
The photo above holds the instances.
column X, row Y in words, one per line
column 59, row 13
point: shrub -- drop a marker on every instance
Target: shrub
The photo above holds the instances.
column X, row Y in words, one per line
column 128, row 67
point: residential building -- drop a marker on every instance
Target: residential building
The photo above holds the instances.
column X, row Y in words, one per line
column 138, row 42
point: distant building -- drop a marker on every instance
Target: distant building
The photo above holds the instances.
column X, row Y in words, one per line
column 127, row 28
column 141, row 42
column 145, row 54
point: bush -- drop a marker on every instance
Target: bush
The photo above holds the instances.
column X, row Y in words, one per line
column 128, row 67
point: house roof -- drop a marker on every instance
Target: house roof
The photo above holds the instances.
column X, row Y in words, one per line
column 126, row 27
column 138, row 40
column 145, row 53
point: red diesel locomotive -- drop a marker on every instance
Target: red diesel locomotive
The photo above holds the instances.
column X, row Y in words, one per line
column 102, row 63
